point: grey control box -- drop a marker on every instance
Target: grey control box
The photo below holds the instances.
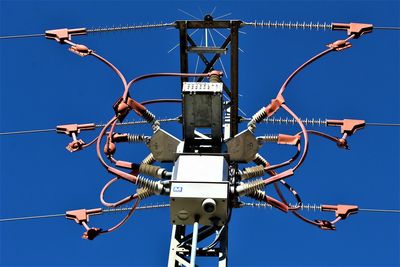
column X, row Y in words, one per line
column 199, row 188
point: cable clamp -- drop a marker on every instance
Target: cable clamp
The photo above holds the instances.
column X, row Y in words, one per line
column 122, row 108
column 82, row 217
column 80, row 50
column 339, row 45
column 357, row 29
column 342, row 211
column 274, row 106
column 347, row 126
column 73, row 130
column 62, row 35
column 292, row 140
column 75, row 145
column 325, row 225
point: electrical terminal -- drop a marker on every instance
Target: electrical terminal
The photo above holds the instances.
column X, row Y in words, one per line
column 292, row 140
column 356, row 29
column 82, row 217
column 63, row 35
column 73, row 130
column 80, row 50
column 347, row 127
column 342, row 211
column 339, row 45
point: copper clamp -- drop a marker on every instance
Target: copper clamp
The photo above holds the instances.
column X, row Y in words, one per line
column 339, row 45
column 62, row 35
column 325, row 225
column 80, row 50
column 274, row 106
column 73, row 130
column 342, row 211
column 356, row 29
column 82, row 217
column 347, row 126
column 284, row 139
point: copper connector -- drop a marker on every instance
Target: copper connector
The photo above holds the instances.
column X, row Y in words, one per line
column 342, row 211
column 91, row 233
column 75, row 145
column 62, row 35
column 75, row 128
column 80, row 50
column 339, row 45
column 325, row 225
column 82, row 215
column 347, row 126
column 284, row 139
column 356, row 29
column 274, row 106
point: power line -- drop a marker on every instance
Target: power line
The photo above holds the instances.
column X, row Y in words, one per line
column 262, row 24
column 98, row 30
column 386, row 28
column 306, row 207
column 273, row 120
column 155, row 206
column 22, row 36
column 315, row 207
column 97, row 126
column 381, row 124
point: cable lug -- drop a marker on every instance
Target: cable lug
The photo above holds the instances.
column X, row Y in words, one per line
column 91, row 233
column 339, row 45
column 80, row 50
column 325, row 225
column 75, row 145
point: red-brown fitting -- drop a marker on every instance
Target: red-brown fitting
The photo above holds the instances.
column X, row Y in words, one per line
column 62, row 35
column 80, row 50
column 274, row 106
column 121, row 109
column 136, row 106
column 342, row 211
column 215, row 72
column 75, row 145
column 339, row 45
column 109, row 148
column 342, row 143
column 128, row 165
column 82, row 215
column 279, row 176
column 325, row 225
column 277, row 204
column 91, row 233
column 357, row 29
column 126, row 176
column 284, row 139
column 347, row 126
column 118, row 137
column 75, row 128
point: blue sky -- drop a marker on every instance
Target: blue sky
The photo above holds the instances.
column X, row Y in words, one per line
column 44, row 85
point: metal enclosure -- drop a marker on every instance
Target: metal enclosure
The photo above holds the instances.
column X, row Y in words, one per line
column 197, row 179
column 202, row 110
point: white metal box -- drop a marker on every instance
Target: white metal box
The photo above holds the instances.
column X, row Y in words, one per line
column 187, row 200
column 200, row 168
column 199, row 188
